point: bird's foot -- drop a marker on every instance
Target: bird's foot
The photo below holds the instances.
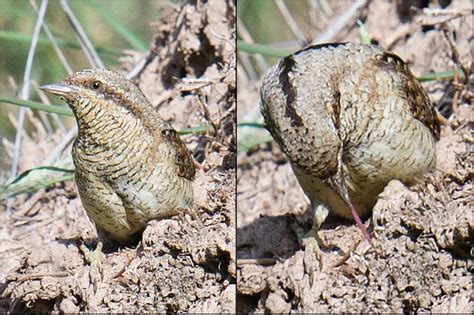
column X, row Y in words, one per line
column 95, row 259
column 312, row 252
column 312, row 243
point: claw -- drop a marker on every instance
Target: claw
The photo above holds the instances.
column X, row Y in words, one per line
column 312, row 243
column 312, row 252
column 95, row 259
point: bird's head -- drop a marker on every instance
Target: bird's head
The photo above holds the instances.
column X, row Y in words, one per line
column 95, row 92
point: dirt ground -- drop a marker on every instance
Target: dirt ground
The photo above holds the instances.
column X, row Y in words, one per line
column 423, row 235
column 183, row 264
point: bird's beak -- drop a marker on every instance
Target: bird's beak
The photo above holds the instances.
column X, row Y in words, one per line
column 58, row 89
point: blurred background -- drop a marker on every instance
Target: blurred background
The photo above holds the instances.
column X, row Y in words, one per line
column 112, row 26
column 427, row 35
column 309, row 18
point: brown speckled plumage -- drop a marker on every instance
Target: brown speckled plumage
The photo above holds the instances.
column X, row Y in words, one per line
column 349, row 117
column 131, row 166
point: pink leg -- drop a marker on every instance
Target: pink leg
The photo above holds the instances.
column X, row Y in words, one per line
column 360, row 224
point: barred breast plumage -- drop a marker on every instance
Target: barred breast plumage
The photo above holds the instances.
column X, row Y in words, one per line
column 131, row 166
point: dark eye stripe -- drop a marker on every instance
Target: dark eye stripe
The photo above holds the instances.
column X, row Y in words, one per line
column 116, row 97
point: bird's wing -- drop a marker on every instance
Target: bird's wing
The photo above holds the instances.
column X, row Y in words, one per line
column 182, row 156
column 420, row 105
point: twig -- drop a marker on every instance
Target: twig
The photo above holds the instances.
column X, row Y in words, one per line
column 346, row 255
column 455, row 53
column 433, row 17
column 54, row 43
column 441, row 118
column 25, row 90
column 207, row 115
column 256, row 261
column 28, row 205
column 457, row 63
column 164, row 96
column 24, row 233
column 125, row 265
column 402, row 31
column 138, row 68
column 252, row 192
column 242, row 77
column 40, row 275
column 86, row 44
column 230, row 42
column 45, row 99
column 254, row 113
column 246, row 67
column 322, row 7
column 245, row 35
column 468, row 138
column 336, row 27
column 56, row 152
column 290, row 21
column 43, row 116
column 457, row 90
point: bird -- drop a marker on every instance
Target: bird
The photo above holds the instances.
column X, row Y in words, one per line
column 350, row 118
column 130, row 165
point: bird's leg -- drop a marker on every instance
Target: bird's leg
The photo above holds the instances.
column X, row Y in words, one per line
column 95, row 259
column 341, row 187
column 359, row 223
column 311, row 241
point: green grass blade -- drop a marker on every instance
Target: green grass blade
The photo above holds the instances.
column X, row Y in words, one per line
column 49, row 168
column 364, row 35
column 121, row 29
column 60, row 110
column 251, row 124
column 35, row 179
column 241, row 147
column 187, row 131
column 63, row 110
column 13, row 190
column 261, row 49
column 202, row 129
column 438, row 76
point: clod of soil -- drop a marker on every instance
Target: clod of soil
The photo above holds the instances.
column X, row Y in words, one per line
column 423, row 235
column 186, row 263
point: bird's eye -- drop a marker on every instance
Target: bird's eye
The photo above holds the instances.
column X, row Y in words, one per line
column 96, row 85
